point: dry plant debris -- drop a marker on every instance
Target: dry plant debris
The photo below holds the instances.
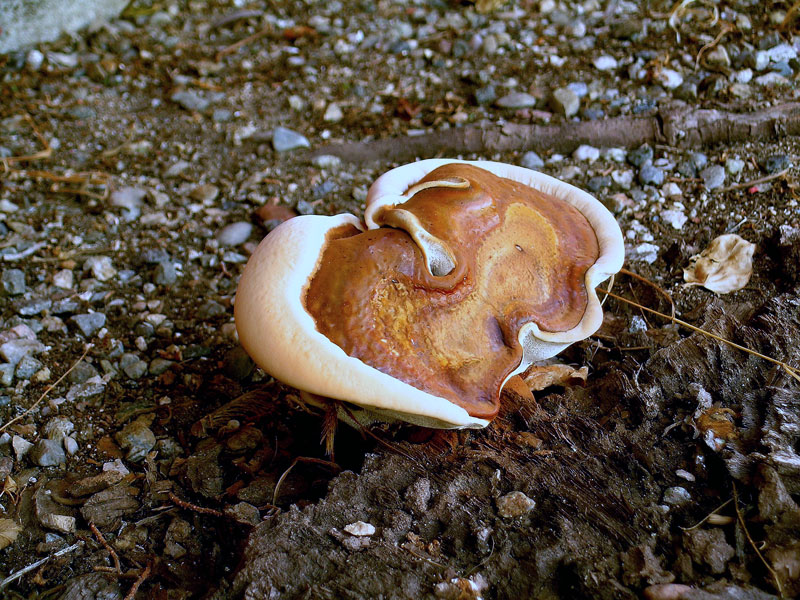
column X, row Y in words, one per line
column 724, row 266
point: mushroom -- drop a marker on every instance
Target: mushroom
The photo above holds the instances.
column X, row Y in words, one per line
column 461, row 276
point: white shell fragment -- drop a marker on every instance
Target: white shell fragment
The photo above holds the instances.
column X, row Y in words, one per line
column 725, row 266
column 360, row 529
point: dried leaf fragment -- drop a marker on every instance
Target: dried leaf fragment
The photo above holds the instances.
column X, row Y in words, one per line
column 539, row 378
column 9, row 530
column 725, row 266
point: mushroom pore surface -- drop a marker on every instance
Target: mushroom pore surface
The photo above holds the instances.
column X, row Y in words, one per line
column 521, row 256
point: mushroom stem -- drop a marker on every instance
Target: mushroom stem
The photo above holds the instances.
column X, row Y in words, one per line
column 438, row 255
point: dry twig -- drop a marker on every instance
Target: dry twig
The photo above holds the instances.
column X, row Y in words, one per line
column 109, row 549
column 745, row 184
column 44, row 153
column 14, row 576
column 709, row 515
column 234, row 47
column 47, row 391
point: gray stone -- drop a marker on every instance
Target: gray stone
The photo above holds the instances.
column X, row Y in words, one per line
column 6, row 374
column 284, row 140
column 13, row 282
column 63, row 279
column 137, row 439
column 132, row 365
column 651, row 175
column 85, row 391
column 21, row 447
column 58, row 428
column 698, row 159
column 687, row 169
column 47, row 453
column 234, row 234
column 27, row 22
column 101, row 267
column 89, row 323
column 35, row 306
column 516, row 100
column 159, row 366
column 205, row 193
column 13, row 351
column 190, row 100
column 210, row 308
column 677, row 496
column 713, row 176
column 326, row 161
column 531, row 160
column 82, row 113
column 27, row 367
column 129, row 199
column 486, row 95
column 565, row 101
column 640, row 155
column 772, row 80
column 605, row 63
column 776, row 163
column 734, row 166
column 718, row 57
column 595, row 184
column 65, row 306
column 165, row 273
column 153, row 256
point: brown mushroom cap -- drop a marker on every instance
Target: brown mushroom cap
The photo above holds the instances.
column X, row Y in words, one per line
column 520, row 256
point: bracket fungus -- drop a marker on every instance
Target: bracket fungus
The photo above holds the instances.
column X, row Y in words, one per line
column 461, row 276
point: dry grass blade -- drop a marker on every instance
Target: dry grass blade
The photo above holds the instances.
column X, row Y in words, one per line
column 47, row 391
column 652, row 284
column 46, row 152
column 709, row 515
column 793, row 372
column 740, row 517
column 746, row 184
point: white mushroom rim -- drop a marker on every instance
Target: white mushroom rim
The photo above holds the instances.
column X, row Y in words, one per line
column 282, row 338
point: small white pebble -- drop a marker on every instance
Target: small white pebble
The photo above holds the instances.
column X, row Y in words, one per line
column 360, row 529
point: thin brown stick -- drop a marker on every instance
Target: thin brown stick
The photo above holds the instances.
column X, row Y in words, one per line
column 745, row 184
column 658, row 288
column 139, row 581
column 251, row 38
column 47, row 391
column 194, row 507
column 740, row 516
column 109, row 549
column 305, row 459
column 789, row 369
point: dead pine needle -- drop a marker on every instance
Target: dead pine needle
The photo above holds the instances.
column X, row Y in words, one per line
column 793, row 372
column 303, row 459
column 740, row 517
column 193, row 507
column 47, row 391
column 139, row 581
column 101, row 538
